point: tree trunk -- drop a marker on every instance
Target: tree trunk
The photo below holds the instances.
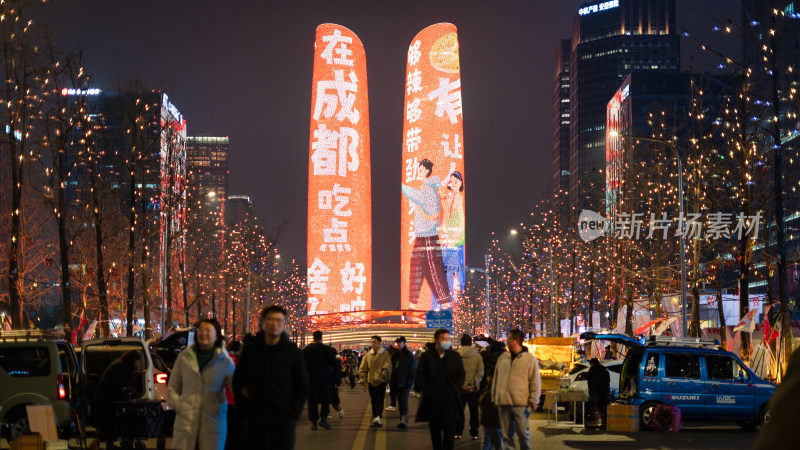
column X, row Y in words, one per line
column 591, row 296
column 617, row 294
column 658, row 298
column 199, row 301
column 572, row 295
column 531, row 309
column 102, row 291
column 16, row 87
column 723, row 334
column 15, row 294
column 63, row 249
column 131, row 288
column 182, row 267
column 167, row 269
column 773, row 346
column 144, row 276
column 744, row 295
column 233, row 317
column 694, row 324
column 629, row 303
column 213, row 298
column 225, row 297
column 657, row 295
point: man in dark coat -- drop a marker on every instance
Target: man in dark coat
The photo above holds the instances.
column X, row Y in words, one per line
column 599, row 383
column 404, row 367
column 440, row 376
column 320, row 360
column 495, row 351
column 271, row 384
column 115, row 385
column 337, row 372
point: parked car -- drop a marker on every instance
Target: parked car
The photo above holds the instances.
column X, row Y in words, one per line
column 36, row 369
column 579, row 375
column 98, row 354
column 164, row 352
column 692, row 374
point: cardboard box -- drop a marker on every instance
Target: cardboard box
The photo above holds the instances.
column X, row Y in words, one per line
column 622, row 417
column 27, row 441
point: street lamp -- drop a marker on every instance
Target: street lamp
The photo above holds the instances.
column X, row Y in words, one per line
column 674, row 149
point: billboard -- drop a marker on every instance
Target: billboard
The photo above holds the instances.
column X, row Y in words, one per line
column 339, row 196
column 432, row 217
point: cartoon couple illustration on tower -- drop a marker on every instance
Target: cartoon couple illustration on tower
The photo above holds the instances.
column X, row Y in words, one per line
column 438, row 253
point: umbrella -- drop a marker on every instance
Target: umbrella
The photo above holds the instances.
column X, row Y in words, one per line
column 646, row 326
column 661, row 328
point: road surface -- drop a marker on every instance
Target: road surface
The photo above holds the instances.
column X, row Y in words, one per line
column 354, row 433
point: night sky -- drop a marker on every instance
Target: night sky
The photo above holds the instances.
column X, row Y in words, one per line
column 245, row 71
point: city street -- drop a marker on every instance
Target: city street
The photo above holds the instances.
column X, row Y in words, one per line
column 586, row 199
column 353, row 432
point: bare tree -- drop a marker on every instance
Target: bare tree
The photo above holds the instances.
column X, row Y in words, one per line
column 65, row 120
column 21, row 99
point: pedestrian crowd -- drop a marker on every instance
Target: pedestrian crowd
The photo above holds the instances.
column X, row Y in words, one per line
column 254, row 396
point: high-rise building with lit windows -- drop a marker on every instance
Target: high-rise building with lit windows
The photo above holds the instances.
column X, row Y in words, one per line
column 610, row 39
column 207, row 165
column 560, row 176
column 207, row 172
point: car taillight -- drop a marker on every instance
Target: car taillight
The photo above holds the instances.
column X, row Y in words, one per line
column 62, row 390
column 161, row 378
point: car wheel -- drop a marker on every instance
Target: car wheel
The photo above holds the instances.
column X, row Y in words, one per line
column 764, row 415
column 647, row 413
column 17, row 426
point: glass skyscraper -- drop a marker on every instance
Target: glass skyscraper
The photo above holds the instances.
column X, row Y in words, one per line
column 610, row 39
column 560, row 176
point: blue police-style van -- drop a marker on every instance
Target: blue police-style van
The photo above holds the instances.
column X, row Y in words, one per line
column 692, row 374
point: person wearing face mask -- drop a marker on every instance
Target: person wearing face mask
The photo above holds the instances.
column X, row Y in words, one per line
column 440, row 376
column 197, row 390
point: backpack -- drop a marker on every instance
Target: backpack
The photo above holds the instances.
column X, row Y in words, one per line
column 667, row 418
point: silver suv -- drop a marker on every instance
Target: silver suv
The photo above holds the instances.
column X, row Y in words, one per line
column 35, row 369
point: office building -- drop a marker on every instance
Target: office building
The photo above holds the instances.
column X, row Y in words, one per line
column 610, row 39
column 207, row 173
column 239, row 211
column 139, row 153
column 207, row 166
column 560, row 177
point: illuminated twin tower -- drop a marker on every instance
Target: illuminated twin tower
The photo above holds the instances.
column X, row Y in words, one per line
column 339, row 195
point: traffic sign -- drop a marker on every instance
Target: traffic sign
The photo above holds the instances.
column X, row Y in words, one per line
column 439, row 319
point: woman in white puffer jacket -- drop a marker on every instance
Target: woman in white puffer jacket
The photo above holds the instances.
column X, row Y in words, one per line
column 197, row 391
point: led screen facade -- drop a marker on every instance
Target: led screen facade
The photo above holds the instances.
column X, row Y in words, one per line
column 432, row 217
column 339, row 195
